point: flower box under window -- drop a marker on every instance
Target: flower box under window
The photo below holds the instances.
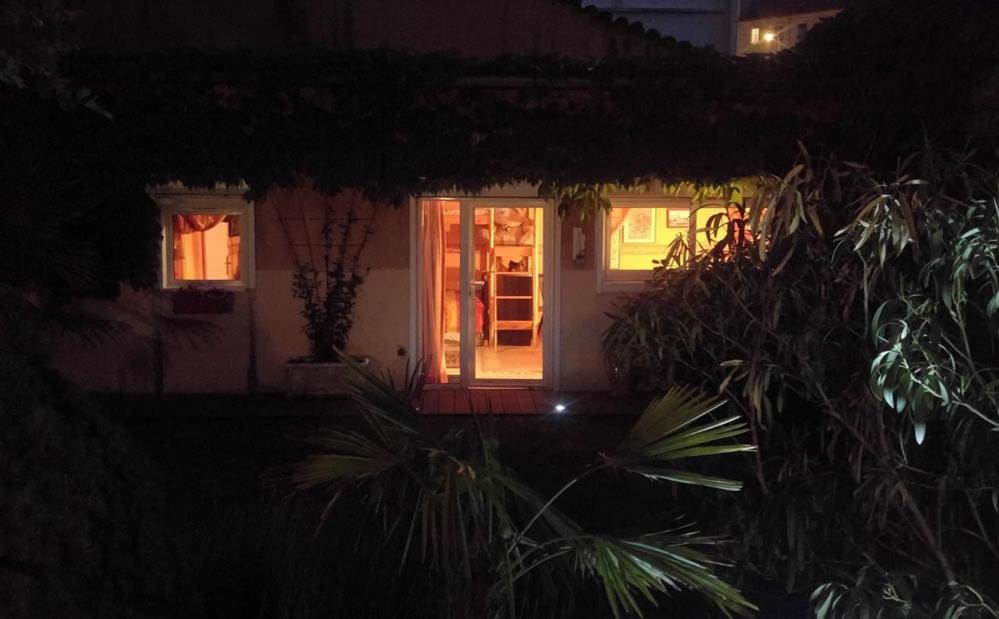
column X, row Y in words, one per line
column 203, row 301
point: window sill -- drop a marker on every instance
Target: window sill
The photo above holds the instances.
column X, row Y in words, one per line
column 227, row 285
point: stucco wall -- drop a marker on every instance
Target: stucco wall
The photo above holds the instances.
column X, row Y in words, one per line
column 381, row 325
column 249, row 347
column 582, row 312
column 148, row 348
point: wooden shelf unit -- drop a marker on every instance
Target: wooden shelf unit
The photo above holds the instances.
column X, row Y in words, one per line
column 513, row 306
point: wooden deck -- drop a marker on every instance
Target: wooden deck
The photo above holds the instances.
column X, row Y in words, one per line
column 520, row 401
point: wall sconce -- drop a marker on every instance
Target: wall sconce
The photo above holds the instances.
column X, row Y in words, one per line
column 769, row 37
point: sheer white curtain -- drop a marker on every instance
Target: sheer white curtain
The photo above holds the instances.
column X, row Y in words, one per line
column 432, row 288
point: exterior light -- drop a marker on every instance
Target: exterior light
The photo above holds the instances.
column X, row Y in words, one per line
column 560, row 408
column 768, row 37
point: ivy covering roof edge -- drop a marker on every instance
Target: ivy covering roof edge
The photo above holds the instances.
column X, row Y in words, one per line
column 396, row 124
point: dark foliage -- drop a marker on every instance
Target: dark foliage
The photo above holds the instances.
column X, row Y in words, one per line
column 855, row 330
column 489, row 543
column 875, row 81
column 80, row 514
column 900, row 72
column 327, row 307
column 328, row 270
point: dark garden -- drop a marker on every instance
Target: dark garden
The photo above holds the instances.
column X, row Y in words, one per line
column 499, row 309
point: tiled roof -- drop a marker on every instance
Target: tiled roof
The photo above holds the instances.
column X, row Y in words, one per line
column 621, row 25
column 756, row 9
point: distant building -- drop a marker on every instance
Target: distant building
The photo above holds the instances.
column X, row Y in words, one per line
column 769, row 26
column 701, row 22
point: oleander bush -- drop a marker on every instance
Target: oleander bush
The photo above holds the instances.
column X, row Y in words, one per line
column 850, row 317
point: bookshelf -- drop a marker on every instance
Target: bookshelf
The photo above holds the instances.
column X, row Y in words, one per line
column 513, row 307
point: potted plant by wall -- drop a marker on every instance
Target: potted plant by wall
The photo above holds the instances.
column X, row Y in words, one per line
column 327, row 278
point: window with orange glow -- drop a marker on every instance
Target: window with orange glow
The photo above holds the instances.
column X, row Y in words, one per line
column 641, row 235
column 206, row 247
column 638, row 236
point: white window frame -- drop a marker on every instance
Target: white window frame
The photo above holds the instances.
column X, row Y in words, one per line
column 221, row 200
column 632, row 280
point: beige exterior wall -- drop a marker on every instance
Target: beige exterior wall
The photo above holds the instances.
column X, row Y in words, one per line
column 229, row 353
column 247, row 349
column 784, row 27
column 582, row 310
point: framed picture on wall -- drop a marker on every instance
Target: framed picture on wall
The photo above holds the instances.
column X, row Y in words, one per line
column 640, row 226
column 678, row 217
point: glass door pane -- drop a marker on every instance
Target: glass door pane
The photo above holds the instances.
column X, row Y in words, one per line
column 506, row 279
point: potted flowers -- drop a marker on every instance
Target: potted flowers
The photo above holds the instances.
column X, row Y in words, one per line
column 327, row 281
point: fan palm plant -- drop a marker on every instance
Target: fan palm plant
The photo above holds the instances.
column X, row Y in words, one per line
column 446, row 503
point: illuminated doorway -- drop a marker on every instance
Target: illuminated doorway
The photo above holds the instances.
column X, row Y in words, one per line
column 482, row 290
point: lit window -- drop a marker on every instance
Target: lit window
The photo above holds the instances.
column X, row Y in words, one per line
column 205, row 247
column 754, row 36
column 639, row 235
column 207, row 237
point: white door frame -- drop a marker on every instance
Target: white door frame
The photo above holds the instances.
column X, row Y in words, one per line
column 550, row 329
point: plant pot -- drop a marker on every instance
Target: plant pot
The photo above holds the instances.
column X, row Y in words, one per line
column 307, row 377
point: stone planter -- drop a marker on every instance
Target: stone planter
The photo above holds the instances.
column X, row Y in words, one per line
column 307, row 377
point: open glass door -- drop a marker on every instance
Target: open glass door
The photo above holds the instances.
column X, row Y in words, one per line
column 505, row 269
column 481, row 291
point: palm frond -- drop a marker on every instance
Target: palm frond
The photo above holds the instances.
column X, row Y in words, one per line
column 348, row 455
column 414, row 379
column 378, row 398
column 448, row 504
column 634, row 569
column 664, row 434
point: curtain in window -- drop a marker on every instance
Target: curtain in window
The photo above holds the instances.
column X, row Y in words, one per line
column 190, row 252
column 619, row 215
column 232, row 264
column 432, row 289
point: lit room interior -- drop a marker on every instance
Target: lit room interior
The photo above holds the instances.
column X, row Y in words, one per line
column 506, row 279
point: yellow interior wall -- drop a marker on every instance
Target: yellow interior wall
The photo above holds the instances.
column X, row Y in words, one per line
column 640, row 256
